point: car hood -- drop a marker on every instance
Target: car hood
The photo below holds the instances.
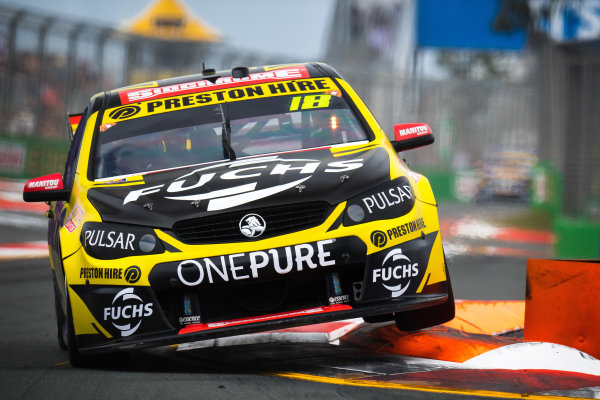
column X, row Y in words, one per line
column 165, row 197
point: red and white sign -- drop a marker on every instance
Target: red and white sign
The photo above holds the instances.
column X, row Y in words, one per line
column 410, row 131
column 47, row 182
column 287, row 73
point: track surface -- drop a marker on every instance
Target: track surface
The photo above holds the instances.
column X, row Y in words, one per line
column 32, row 366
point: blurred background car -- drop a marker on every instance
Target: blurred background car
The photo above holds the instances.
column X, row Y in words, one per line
column 506, row 175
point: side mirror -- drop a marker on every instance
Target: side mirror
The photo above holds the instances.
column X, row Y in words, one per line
column 411, row 136
column 46, row 188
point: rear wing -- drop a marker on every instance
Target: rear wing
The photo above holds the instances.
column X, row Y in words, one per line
column 73, row 123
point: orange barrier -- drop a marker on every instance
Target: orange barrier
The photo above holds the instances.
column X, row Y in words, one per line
column 437, row 343
column 563, row 303
column 488, row 316
column 468, row 335
column 440, row 343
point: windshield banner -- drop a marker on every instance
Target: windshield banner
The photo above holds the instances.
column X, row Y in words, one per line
column 287, row 73
column 151, row 107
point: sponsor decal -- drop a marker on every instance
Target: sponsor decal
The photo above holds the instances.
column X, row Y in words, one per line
column 379, row 238
column 114, row 181
column 406, row 229
column 98, row 273
column 396, row 272
column 192, row 319
column 416, row 176
column 130, row 274
column 122, row 310
column 180, row 102
column 388, row 198
column 252, row 265
column 105, row 127
column 264, row 265
column 252, row 225
column 46, row 184
column 75, row 218
column 109, row 239
column 409, row 131
column 133, row 274
column 344, row 298
column 191, row 186
column 125, row 112
column 127, row 311
column 287, row 73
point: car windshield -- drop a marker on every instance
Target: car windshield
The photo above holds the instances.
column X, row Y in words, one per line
column 194, row 135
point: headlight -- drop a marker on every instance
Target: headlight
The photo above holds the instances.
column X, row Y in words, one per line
column 390, row 200
column 109, row 241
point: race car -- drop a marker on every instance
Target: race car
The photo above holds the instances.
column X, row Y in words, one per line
column 234, row 202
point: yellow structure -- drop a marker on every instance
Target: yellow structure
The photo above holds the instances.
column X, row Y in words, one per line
column 172, row 20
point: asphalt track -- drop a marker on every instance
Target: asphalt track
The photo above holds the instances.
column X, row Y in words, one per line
column 33, row 367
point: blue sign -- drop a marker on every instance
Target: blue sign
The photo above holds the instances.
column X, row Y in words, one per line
column 568, row 21
column 466, row 24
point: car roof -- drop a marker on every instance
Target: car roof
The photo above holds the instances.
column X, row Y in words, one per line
column 112, row 97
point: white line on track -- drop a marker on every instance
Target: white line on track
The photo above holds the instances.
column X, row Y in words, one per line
column 13, row 251
column 22, row 221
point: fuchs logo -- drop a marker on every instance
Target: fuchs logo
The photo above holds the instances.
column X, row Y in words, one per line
column 252, row 225
column 252, row 175
column 125, row 112
column 127, row 311
column 378, row 238
column 396, row 272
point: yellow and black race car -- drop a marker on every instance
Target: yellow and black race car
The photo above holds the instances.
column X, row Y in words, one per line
column 234, row 202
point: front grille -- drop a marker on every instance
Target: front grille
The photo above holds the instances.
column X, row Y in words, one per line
column 224, row 228
column 245, row 299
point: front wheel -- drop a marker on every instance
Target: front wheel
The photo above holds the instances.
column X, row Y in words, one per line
column 425, row 317
column 77, row 360
column 74, row 357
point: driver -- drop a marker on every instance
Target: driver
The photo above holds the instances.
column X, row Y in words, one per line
column 325, row 128
column 125, row 160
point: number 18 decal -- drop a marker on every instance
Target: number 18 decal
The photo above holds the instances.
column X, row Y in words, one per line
column 308, row 102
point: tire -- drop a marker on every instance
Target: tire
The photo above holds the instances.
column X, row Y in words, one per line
column 61, row 319
column 75, row 358
column 427, row 317
column 118, row 360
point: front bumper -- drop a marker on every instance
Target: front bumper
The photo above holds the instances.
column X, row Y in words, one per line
column 270, row 322
column 290, row 286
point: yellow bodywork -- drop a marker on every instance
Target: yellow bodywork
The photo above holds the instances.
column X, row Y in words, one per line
column 79, row 208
